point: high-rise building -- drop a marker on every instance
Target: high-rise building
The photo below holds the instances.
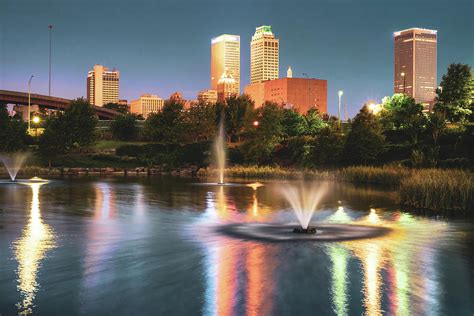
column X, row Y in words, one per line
column 226, row 86
column 301, row 94
column 225, row 54
column 415, row 63
column 103, row 86
column 264, row 55
column 146, row 104
column 207, row 96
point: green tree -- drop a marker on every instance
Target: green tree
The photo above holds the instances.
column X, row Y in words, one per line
column 200, row 123
column 73, row 129
column 365, row 142
column 166, row 126
column 313, row 123
column 239, row 113
column 401, row 112
column 436, row 125
column 293, row 123
column 262, row 140
column 124, row 127
column 122, row 108
column 13, row 132
column 327, row 147
column 454, row 98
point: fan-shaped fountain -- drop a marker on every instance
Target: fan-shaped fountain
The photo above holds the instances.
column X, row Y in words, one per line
column 13, row 162
column 303, row 201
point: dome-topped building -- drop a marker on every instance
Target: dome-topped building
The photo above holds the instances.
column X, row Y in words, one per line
column 226, row 86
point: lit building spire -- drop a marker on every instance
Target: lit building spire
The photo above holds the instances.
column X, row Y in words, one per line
column 289, row 72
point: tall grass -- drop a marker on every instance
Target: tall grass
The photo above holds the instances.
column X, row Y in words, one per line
column 440, row 190
column 380, row 175
column 266, row 172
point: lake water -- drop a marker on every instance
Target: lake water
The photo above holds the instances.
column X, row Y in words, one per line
column 152, row 246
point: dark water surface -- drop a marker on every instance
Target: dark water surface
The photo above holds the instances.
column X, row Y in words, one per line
column 152, row 247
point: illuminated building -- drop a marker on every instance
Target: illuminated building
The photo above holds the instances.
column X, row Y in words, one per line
column 225, row 54
column 146, row 104
column 103, row 86
column 226, row 86
column 207, row 96
column 301, row 94
column 264, row 55
column 415, row 64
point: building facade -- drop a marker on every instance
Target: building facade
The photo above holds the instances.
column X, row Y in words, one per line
column 301, row 94
column 146, row 104
column 208, row 96
column 225, row 54
column 264, row 55
column 226, row 86
column 415, row 64
column 103, row 86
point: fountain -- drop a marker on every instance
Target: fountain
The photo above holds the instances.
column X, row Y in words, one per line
column 303, row 201
column 13, row 162
column 219, row 151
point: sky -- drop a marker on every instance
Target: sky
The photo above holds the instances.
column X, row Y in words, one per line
column 162, row 46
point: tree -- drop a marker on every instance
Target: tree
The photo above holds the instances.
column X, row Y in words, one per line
column 436, row 125
column 365, row 142
column 293, row 123
column 313, row 123
column 124, row 127
column 122, row 108
column 327, row 147
column 200, row 122
column 166, row 126
column 13, row 132
column 263, row 139
column 401, row 112
column 454, row 98
column 73, row 129
column 239, row 113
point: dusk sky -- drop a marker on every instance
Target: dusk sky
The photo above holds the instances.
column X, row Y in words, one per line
column 162, row 46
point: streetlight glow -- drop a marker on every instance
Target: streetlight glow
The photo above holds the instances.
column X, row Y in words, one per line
column 255, row 123
column 36, row 119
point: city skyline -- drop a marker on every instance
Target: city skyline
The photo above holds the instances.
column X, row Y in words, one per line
column 323, row 45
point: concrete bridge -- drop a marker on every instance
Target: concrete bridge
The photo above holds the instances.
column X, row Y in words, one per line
column 53, row 103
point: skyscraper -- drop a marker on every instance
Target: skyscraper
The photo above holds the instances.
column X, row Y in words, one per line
column 415, row 63
column 103, row 86
column 225, row 54
column 264, row 55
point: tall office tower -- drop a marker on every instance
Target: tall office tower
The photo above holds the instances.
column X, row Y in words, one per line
column 264, row 55
column 146, row 105
column 415, row 64
column 103, row 86
column 225, row 54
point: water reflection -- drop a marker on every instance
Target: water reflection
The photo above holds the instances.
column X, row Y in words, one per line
column 36, row 240
column 339, row 257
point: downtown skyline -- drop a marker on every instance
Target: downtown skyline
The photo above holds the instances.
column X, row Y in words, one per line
column 156, row 58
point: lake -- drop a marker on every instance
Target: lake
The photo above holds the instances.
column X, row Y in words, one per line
column 152, row 246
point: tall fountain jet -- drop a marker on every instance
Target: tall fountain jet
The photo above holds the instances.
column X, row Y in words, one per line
column 13, row 163
column 304, row 200
column 219, row 151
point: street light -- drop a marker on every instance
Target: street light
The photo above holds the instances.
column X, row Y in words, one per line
column 29, row 103
column 255, row 123
column 403, row 75
column 340, row 93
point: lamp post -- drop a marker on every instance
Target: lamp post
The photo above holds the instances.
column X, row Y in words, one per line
column 340, row 93
column 403, row 75
column 29, row 103
column 49, row 88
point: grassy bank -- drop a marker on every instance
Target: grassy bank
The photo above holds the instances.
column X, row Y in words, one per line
column 432, row 189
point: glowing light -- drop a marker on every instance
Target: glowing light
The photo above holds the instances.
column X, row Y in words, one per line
column 374, row 108
column 256, row 123
column 37, row 239
column 373, row 217
column 340, row 93
column 340, row 216
column 36, row 119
